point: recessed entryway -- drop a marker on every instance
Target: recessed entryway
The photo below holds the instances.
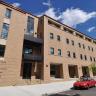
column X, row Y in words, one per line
column 85, row 70
column 73, row 71
column 56, row 71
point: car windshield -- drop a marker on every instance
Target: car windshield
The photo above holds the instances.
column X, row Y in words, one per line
column 85, row 78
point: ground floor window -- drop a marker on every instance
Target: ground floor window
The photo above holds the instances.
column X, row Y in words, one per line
column 73, row 71
column 85, row 71
column 56, row 70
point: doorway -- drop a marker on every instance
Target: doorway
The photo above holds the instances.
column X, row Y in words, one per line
column 73, row 71
column 27, row 69
column 56, row 71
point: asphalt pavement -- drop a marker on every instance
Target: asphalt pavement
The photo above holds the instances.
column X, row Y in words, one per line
column 73, row 92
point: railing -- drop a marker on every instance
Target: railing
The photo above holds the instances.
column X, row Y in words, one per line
column 32, row 57
column 30, row 37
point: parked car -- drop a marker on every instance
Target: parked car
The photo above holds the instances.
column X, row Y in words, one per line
column 84, row 82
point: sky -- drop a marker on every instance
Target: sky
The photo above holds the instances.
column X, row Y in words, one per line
column 78, row 14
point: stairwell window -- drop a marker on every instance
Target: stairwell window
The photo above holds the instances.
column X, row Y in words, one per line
column 58, row 38
column 5, row 30
column 8, row 13
column 30, row 25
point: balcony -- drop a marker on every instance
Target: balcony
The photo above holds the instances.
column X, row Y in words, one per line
column 30, row 38
column 31, row 57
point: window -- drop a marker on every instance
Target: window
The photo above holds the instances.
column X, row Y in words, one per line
column 58, row 37
column 27, row 50
column 81, row 57
column 92, row 49
column 85, row 57
column 72, row 42
column 51, row 36
column 74, row 55
column 90, row 58
column 68, row 53
column 88, row 47
column 2, row 50
column 30, row 25
column 8, row 13
column 83, row 46
column 52, row 51
column 79, row 45
column 5, row 30
column 67, row 41
column 59, row 52
column 94, row 59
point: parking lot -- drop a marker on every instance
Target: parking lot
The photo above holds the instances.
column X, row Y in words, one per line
column 72, row 92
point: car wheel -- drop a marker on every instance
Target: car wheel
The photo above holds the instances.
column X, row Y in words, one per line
column 87, row 87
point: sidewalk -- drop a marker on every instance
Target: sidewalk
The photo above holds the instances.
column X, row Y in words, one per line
column 36, row 90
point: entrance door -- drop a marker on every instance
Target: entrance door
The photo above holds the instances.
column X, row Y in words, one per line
column 27, row 69
column 85, row 71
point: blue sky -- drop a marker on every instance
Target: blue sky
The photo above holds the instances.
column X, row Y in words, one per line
column 79, row 14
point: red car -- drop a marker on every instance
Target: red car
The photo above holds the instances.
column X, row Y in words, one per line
column 85, row 82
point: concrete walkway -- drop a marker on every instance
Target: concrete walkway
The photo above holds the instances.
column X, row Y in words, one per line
column 36, row 90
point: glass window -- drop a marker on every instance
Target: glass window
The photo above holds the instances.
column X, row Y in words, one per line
column 81, row 57
column 58, row 37
column 51, row 36
column 52, row 51
column 8, row 13
column 67, row 41
column 85, row 57
column 83, row 46
column 2, row 50
column 72, row 42
column 90, row 58
column 68, row 53
column 88, row 47
column 30, row 25
column 74, row 55
column 79, row 45
column 27, row 50
column 59, row 52
column 5, row 30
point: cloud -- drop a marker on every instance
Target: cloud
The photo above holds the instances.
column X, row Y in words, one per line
column 70, row 16
column 16, row 4
column 91, row 29
column 73, row 17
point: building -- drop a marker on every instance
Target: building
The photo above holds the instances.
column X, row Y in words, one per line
column 41, row 49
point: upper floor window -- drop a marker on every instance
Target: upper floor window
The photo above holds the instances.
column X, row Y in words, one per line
column 92, row 49
column 30, row 25
column 58, row 37
column 81, row 56
column 2, row 50
column 74, row 55
column 90, row 58
column 83, row 46
column 51, row 36
column 79, row 45
column 72, row 42
column 59, row 52
column 52, row 51
column 8, row 13
column 85, row 57
column 68, row 53
column 5, row 30
column 67, row 41
column 88, row 47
